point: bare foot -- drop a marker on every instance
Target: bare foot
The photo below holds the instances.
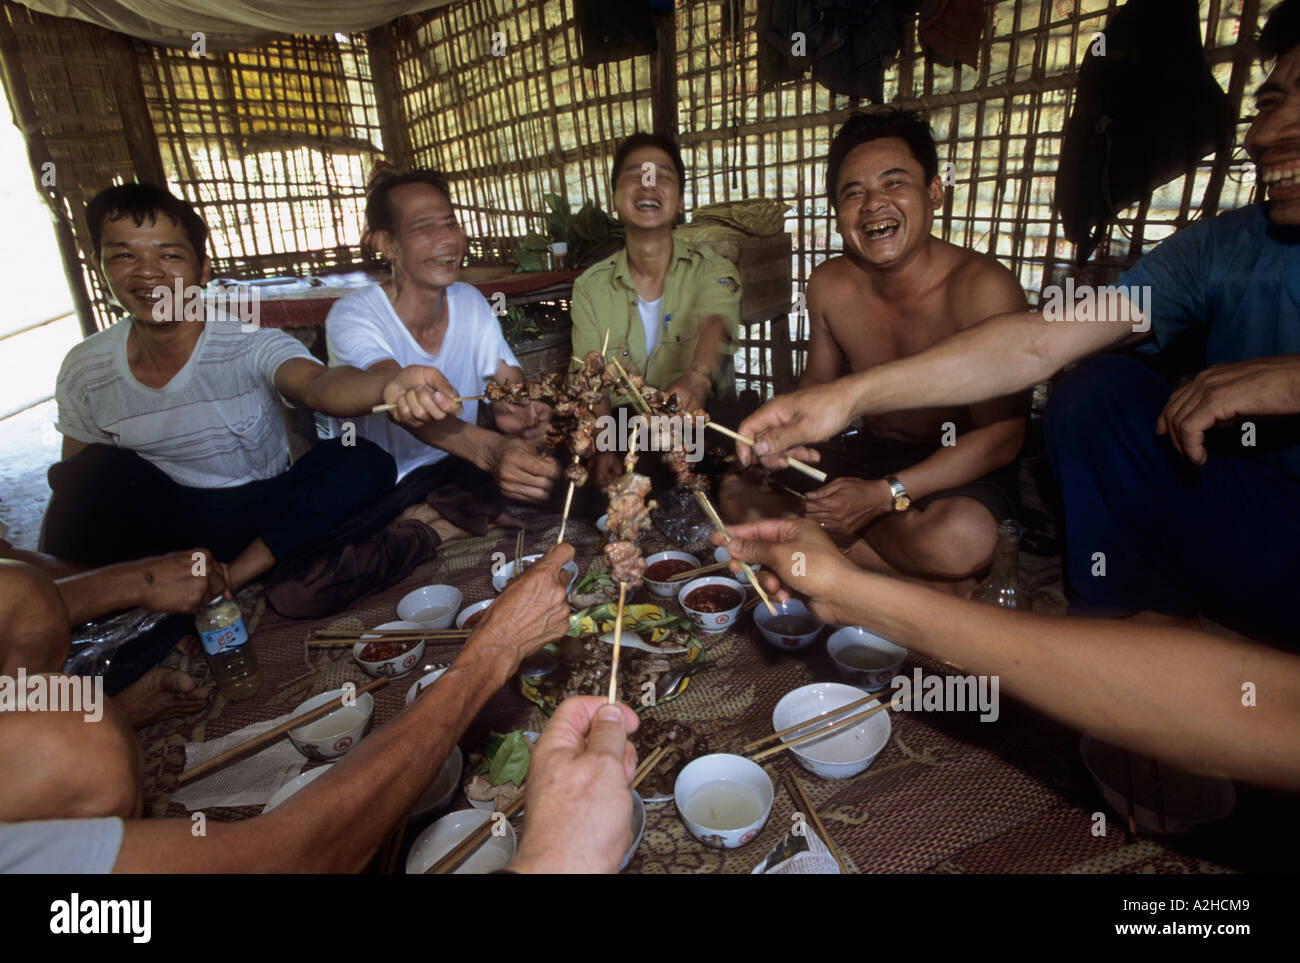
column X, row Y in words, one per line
column 424, row 512
column 161, row 693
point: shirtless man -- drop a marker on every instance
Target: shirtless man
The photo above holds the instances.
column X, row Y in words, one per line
column 921, row 493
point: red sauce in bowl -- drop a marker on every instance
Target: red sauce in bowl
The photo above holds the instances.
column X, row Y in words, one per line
column 666, row 568
column 474, row 619
column 383, row 651
column 712, row 598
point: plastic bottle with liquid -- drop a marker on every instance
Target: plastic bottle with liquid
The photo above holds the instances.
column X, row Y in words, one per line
column 221, row 630
column 1003, row 584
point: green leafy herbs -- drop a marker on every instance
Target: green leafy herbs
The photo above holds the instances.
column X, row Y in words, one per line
column 517, row 327
column 608, row 612
column 592, row 579
column 505, row 758
column 585, row 232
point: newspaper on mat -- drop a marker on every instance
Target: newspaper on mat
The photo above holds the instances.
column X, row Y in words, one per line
column 251, row 781
column 799, row 853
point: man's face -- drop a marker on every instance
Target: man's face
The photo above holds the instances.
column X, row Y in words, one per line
column 648, row 198
column 1273, row 141
column 137, row 260
column 426, row 244
column 886, row 208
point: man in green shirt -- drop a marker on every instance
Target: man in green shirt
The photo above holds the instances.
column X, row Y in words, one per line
column 671, row 309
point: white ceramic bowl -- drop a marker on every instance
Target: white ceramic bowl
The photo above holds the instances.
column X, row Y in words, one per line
column 422, row 683
column 712, row 621
column 443, row 788
column 638, row 830
column 431, row 607
column 439, row 839
column 502, row 578
column 398, row 665
column 720, row 554
column 871, row 670
column 334, row 733
column 733, row 776
column 293, row 785
column 1189, row 800
column 789, row 609
column 843, row 754
column 487, row 804
column 469, row 612
column 668, row 590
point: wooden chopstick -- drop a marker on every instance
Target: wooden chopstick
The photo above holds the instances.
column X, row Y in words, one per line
column 693, row 572
column 647, row 765
column 795, row 463
column 271, row 735
column 839, row 725
column 378, row 408
column 801, row 800
column 857, row 703
column 518, row 570
column 618, row 642
column 703, row 499
column 462, row 850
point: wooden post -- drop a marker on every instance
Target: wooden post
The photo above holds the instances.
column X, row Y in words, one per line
column 388, row 97
column 38, row 155
column 137, row 125
column 663, row 75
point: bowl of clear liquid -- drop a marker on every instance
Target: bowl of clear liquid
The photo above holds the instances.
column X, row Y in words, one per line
column 863, row 658
column 723, row 799
column 433, row 607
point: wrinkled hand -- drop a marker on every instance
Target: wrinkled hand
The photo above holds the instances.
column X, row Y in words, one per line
column 181, row 581
column 603, row 468
column 527, row 421
column 531, row 611
column 522, row 472
column 692, row 390
column 848, row 505
column 796, row 554
column 783, row 427
column 422, row 395
column 1226, row 393
column 578, row 814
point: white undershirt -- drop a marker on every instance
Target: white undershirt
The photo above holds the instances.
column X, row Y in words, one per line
column 652, row 321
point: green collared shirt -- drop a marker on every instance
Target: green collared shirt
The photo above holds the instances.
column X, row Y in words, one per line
column 700, row 284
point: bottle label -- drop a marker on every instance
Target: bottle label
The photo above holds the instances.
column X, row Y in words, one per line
column 221, row 641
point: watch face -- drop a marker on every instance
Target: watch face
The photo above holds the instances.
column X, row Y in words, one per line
column 902, row 503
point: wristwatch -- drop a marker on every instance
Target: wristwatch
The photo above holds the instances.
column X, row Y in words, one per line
column 902, row 500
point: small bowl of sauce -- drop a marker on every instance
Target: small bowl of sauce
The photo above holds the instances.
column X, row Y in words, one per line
column 713, row 603
column 864, row 659
column 792, row 627
column 664, row 565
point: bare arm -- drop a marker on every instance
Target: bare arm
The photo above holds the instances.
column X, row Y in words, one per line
column 336, row 823
column 1168, row 692
column 420, row 392
column 178, row 582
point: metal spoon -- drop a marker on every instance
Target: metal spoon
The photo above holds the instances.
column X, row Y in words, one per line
column 670, row 683
column 538, row 664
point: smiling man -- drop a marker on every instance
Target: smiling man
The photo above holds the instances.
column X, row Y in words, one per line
column 422, row 315
column 671, row 309
column 919, row 493
column 172, row 428
column 1205, row 519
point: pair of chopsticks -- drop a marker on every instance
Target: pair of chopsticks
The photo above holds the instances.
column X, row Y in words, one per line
column 272, row 735
column 834, row 728
column 804, row 805
column 378, row 408
column 702, row 570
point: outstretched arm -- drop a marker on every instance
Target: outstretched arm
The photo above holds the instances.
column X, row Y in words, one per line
column 1167, row 692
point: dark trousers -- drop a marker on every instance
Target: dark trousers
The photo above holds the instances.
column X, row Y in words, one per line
column 1222, row 539
column 110, row 505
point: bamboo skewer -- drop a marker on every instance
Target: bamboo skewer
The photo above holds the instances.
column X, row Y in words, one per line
column 474, row 840
column 271, row 735
column 568, row 500
column 378, row 408
column 795, row 463
column 647, row 766
column 805, row 724
column 703, row 499
column 801, row 800
column 834, row 728
column 701, row 570
column 618, row 641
